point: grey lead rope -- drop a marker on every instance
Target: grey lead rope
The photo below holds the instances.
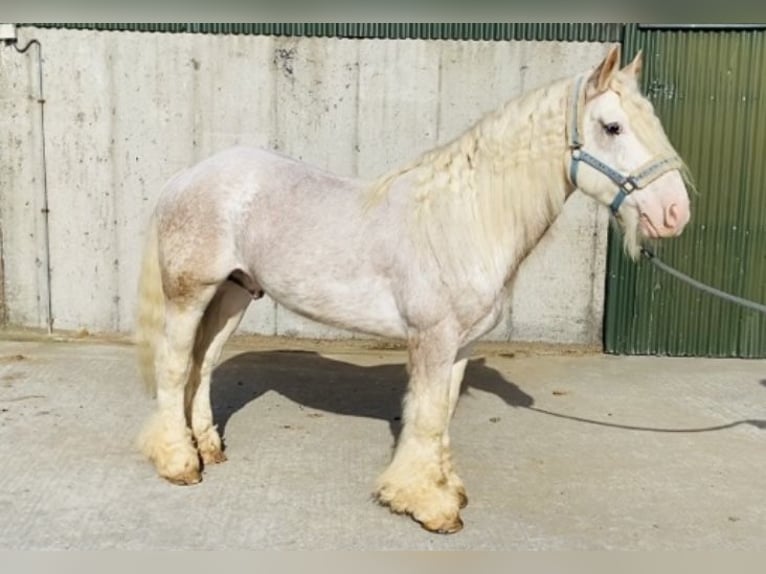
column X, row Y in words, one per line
column 701, row 286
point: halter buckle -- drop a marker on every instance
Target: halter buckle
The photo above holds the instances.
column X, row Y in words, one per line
column 630, row 184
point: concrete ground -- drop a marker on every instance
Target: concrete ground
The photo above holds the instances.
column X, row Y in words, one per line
column 567, row 451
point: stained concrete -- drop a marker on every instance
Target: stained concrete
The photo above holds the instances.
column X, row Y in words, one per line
column 558, row 451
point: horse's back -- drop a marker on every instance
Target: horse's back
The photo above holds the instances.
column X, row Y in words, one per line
column 230, row 189
column 240, row 172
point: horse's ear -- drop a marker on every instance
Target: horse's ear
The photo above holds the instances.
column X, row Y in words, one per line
column 601, row 76
column 634, row 68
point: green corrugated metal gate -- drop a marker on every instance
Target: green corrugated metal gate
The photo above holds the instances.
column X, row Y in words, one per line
column 708, row 84
column 709, row 88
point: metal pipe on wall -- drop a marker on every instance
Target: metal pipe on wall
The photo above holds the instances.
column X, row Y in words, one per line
column 45, row 209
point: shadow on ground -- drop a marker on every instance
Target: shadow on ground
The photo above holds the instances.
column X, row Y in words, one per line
column 376, row 392
column 333, row 386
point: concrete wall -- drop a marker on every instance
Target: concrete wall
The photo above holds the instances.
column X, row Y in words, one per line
column 124, row 111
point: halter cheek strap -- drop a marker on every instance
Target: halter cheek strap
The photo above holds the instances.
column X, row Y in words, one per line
column 626, row 184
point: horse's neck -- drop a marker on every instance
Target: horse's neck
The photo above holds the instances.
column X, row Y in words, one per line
column 492, row 193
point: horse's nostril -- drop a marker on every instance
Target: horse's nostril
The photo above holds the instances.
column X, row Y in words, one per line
column 672, row 216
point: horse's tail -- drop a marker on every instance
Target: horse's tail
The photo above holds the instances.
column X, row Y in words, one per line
column 150, row 320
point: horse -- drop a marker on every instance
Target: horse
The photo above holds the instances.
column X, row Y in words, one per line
column 425, row 253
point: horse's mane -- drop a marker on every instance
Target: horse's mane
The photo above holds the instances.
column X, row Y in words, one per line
column 501, row 180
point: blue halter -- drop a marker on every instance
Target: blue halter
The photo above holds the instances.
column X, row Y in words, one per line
column 626, row 184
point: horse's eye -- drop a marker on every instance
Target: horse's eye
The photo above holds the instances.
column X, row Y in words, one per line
column 613, row 128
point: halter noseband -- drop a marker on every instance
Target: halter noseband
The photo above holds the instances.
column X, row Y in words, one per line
column 626, row 184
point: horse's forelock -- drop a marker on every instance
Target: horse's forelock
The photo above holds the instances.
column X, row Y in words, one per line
column 645, row 123
column 642, row 116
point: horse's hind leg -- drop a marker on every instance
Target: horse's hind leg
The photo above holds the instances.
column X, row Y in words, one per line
column 221, row 319
column 167, row 440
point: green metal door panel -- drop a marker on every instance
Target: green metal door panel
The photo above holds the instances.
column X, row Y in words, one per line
column 709, row 89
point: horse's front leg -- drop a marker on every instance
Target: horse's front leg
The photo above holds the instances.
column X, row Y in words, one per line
column 415, row 482
column 456, row 379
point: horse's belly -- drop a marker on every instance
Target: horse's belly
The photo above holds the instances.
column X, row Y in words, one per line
column 360, row 305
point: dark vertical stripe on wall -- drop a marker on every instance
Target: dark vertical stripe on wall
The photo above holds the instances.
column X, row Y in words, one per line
column 709, row 89
column 578, row 32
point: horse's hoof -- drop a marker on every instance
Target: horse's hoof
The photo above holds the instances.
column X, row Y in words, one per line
column 216, row 456
column 444, row 526
column 185, row 479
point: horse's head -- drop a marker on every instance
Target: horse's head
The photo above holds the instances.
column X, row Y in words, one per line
column 620, row 155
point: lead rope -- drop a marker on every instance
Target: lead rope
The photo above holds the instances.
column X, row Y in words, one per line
column 657, row 262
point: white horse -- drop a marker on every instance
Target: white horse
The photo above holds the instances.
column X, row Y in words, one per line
column 425, row 254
